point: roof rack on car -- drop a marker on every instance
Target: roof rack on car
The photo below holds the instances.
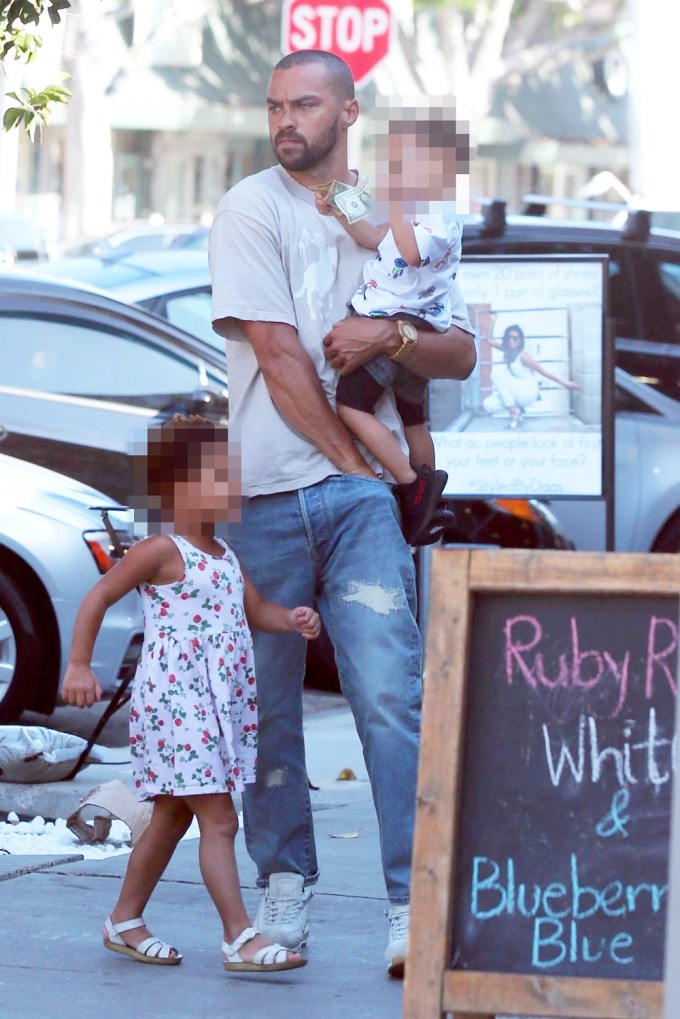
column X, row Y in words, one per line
column 493, row 215
column 638, row 221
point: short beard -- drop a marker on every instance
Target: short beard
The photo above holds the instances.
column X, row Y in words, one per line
column 308, row 157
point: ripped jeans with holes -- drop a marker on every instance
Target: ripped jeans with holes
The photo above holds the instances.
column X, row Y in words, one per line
column 339, row 544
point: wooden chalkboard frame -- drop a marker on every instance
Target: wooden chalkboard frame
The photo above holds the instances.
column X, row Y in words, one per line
column 432, row 989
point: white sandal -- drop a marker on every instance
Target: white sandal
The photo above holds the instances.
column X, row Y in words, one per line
column 271, row 957
column 151, row 950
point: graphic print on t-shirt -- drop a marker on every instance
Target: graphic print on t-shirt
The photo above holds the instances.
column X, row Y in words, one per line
column 321, row 266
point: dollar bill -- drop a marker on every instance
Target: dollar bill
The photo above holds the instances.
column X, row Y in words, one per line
column 353, row 201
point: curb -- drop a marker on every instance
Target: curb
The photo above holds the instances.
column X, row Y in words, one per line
column 18, row 866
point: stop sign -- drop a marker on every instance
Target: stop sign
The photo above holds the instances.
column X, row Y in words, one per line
column 359, row 32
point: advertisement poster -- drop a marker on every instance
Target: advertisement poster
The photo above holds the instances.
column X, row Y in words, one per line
column 528, row 422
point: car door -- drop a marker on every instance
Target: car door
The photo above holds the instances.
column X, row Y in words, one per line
column 78, row 393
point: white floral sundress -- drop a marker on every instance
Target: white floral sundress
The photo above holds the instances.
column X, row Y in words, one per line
column 193, row 717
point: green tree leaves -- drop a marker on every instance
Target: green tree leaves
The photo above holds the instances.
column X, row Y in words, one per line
column 34, row 107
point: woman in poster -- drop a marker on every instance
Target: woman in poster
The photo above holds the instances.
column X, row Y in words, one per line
column 515, row 379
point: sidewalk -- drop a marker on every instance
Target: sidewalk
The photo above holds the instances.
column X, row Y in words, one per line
column 52, row 910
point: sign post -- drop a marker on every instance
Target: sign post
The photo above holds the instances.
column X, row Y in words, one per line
column 540, row 866
column 358, row 32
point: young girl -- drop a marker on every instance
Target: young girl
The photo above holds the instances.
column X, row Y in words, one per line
column 193, row 719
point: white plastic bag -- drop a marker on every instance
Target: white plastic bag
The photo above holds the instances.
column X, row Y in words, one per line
column 33, row 753
column 91, row 820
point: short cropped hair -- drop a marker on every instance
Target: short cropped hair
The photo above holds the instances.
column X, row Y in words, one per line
column 337, row 71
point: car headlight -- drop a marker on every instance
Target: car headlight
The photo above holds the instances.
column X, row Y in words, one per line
column 103, row 550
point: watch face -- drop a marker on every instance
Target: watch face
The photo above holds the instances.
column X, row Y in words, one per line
column 408, row 331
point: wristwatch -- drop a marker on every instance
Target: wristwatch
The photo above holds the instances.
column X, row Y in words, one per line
column 409, row 339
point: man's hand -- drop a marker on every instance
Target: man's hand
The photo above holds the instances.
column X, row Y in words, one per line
column 355, row 340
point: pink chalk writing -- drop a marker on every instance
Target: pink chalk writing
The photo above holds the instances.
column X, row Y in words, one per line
column 535, row 658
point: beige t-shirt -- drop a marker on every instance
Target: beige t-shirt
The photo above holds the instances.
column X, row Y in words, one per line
column 274, row 258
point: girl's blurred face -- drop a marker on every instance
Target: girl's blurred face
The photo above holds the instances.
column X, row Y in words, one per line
column 220, row 482
column 212, row 491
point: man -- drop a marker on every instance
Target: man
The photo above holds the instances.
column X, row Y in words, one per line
column 317, row 521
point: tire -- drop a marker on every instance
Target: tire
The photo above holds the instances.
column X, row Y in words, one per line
column 668, row 539
column 21, row 649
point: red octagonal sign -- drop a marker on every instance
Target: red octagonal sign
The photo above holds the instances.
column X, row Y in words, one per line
column 360, row 31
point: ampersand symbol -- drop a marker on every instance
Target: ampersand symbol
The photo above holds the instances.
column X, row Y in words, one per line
column 614, row 823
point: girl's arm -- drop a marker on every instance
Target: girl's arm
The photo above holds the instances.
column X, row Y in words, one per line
column 405, row 240
column 141, row 563
column 272, row 618
column 531, row 362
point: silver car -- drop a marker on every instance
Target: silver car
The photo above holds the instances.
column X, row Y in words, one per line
column 174, row 284
column 647, row 472
column 82, row 377
column 647, row 486
column 54, row 545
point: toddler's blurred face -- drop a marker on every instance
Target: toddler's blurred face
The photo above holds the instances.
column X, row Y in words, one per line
column 422, row 154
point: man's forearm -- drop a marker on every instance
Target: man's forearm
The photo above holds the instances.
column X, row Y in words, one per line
column 449, row 355
column 287, row 378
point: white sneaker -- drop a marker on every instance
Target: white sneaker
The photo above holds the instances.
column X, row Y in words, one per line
column 397, row 946
column 283, row 913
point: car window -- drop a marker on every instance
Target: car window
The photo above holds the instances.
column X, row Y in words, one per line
column 191, row 311
column 197, row 241
column 621, row 300
column 57, row 356
column 658, row 277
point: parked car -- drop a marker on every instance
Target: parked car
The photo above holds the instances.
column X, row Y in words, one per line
column 83, row 376
column 647, row 471
column 144, row 237
column 53, row 547
column 20, row 241
column 81, row 386
column 644, row 281
column 174, row 284
column 644, row 278
column 644, row 295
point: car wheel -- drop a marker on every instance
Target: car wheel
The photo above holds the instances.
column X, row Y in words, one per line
column 668, row 539
column 20, row 649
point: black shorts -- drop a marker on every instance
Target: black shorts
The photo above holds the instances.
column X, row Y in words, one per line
column 362, row 391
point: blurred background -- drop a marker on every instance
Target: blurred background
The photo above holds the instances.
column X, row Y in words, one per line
column 570, row 99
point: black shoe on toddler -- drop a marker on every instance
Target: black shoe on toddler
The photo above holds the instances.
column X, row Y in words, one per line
column 418, row 501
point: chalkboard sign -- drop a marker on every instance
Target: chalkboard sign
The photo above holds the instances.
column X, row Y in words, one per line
column 541, row 850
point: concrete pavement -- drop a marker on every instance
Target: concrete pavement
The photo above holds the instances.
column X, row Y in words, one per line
column 52, row 909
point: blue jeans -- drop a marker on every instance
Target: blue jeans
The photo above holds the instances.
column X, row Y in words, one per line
column 337, row 544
